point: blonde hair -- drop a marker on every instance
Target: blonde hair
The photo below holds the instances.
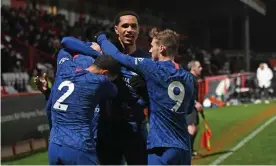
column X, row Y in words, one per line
column 168, row 38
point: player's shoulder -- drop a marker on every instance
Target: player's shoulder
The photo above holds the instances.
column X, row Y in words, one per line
column 61, row 58
column 186, row 73
column 95, row 78
column 188, row 77
column 66, row 67
column 171, row 66
column 81, row 56
column 69, row 71
column 182, row 73
column 102, row 81
column 184, row 70
column 83, row 61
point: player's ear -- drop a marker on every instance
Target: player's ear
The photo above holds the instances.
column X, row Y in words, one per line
column 103, row 72
column 162, row 48
column 116, row 29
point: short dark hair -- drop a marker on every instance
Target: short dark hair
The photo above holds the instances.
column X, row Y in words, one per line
column 107, row 62
column 124, row 13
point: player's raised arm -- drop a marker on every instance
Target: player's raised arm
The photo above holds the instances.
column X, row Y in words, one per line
column 77, row 46
column 63, row 56
column 140, row 65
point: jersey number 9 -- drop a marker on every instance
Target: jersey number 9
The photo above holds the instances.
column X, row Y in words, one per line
column 176, row 92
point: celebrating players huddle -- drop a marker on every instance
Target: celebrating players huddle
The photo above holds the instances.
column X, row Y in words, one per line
column 121, row 80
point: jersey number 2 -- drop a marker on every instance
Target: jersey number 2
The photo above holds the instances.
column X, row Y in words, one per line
column 71, row 87
column 176, row 92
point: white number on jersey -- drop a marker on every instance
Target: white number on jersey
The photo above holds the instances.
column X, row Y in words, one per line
column 176, row 92
column 71, row 87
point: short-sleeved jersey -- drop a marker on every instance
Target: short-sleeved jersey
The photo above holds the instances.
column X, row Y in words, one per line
column 74, row 98
column 171, row 94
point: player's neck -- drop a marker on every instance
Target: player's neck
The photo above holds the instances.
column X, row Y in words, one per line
column 128, row 49
column 92, row 69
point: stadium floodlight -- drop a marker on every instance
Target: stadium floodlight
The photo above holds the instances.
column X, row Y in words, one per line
column 257, row 5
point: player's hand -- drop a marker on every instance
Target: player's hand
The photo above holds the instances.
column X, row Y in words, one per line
column 96, row 46
column 139, row 85
column 137, row 82
column 42, row 83
column 96, row 35
column 198, row 107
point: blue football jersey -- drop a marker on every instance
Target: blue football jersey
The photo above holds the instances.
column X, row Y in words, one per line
column 127, row 105
column 83, row 59
column 75, row 45
column 74, row 98
column 83, row 62
column 171, row 94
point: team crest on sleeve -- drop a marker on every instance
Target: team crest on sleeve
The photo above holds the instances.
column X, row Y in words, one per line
column 63, row 60
column 133, row 73
column 97, row 109
column 137, row 60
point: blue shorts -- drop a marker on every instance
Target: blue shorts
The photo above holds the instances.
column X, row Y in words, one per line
column 169, row 156
column 61, row 155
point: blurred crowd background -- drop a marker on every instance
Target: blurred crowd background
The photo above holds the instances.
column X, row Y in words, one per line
column 32, row 30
